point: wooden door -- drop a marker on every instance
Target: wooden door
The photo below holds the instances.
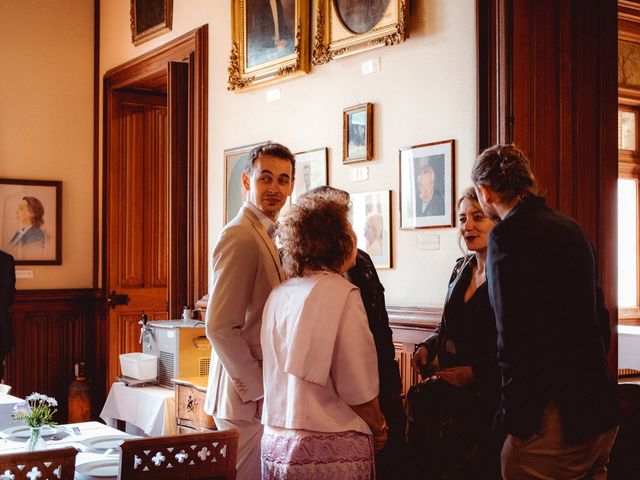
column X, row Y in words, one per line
column 137, row 206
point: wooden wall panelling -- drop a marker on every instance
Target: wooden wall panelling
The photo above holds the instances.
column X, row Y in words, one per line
column 53, row 329
column 156, row 183
column 560, row 86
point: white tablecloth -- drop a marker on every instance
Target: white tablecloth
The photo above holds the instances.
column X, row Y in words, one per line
column 151, row 409
column 71, row 439
column 6, row 408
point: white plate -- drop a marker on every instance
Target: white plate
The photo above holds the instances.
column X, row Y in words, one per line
column 103, row 468
column 104, row 442
column 23, row 431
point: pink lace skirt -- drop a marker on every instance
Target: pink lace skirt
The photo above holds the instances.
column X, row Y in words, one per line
column 292, row 454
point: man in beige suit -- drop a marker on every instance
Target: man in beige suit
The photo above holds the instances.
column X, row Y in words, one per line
column 246, row 267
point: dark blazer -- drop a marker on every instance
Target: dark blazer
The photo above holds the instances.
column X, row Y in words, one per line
column 364, row 276
column 7, row 297
column 476, row 342
column 553, row 328
column 34, row 235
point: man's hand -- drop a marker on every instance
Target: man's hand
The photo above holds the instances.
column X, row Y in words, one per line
column 457, row 376
column 419, row 359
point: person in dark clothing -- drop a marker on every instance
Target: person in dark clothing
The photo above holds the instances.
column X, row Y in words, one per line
column 7, row 297
column 559, row 407
column 392, row 460
column 461, row 357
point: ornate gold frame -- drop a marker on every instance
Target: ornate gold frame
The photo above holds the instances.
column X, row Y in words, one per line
column 332, row 39
column 164, row 26
column 243, row 78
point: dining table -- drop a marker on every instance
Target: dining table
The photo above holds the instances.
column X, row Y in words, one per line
column 95, row 442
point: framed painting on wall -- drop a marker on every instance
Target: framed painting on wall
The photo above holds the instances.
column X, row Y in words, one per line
column 30, row 221
column 235, row 160
column 426, row 185
column 344, row 27
column 371, row 220
column 311, row 171
column 150, row 19
column 357, row 133
column 270, row 41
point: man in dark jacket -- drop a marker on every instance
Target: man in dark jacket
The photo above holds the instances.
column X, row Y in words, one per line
column 7, row 296
column 559, row 406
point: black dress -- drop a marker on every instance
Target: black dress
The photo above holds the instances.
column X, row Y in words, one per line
column 462, row 442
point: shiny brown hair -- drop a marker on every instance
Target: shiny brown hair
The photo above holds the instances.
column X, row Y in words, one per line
column 506, row 170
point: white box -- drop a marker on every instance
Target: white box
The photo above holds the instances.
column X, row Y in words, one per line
column 140, row 366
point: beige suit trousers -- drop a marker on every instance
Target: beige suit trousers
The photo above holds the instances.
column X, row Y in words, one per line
column 547, row 456
column 248, row 462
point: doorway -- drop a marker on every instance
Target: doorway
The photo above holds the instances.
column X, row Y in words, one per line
column 154, row 190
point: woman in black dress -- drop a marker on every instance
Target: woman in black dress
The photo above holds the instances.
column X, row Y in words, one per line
column 459, row 363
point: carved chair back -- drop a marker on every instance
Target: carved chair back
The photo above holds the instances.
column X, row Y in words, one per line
column 58, row 464
column 179, row 457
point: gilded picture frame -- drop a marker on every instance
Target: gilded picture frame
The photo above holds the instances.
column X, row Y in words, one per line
column 343, row 28
column 357, row 133
column 270, row 42
column 150, row 19
column 427, row 185
column 31, row 221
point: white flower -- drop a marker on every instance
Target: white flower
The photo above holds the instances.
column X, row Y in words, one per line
column 35, row 396
column 52, row 402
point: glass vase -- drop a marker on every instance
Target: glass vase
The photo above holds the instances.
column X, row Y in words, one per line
column 36, row 442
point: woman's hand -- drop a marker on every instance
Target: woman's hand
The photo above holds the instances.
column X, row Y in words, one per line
column 380, row 440
column 457, row 376
column 419, row 359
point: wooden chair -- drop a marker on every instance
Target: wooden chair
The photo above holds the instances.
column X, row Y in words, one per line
column 58, row 464
column 190, row 456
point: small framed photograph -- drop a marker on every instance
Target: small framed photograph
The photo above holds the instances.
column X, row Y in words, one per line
column 371, row 220
column 311, row 171
column 426, row 185
column 270, row 41
column 235, row 161
column 150, row 19
column 30, row 221
column 345, row 27
column 357, row 133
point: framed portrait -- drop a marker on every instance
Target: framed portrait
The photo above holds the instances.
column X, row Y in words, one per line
column 235, row 159
column 30, row 221
column 344, row 27
column 426, row 185
column 150, row 19
column 357, row 133
column 371, row 220
column 270, row 42
column 311, row 171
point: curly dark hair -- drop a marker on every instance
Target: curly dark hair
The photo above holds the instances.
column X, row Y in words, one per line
column 506, row 170
column 316, row 234
column 274, row 150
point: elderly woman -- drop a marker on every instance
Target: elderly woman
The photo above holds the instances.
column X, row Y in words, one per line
column 321, row 414
column 460, row 359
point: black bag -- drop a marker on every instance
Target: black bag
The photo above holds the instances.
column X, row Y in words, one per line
column 442, row 421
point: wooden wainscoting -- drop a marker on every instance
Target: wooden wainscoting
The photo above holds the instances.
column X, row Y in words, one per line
column 53, row 329
column 411, row 325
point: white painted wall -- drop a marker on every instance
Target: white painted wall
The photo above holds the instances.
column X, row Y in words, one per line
column 46, row 120
column 425, row 92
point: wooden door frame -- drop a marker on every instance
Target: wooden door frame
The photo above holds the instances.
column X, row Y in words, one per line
column 145, row 72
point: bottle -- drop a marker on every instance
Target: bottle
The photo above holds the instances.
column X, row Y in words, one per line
column 79, row 396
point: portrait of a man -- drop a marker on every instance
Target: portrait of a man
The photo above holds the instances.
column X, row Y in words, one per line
column 429, row 186
column 311, row 172
column 270, row 29
column 360, row 16
column 357, row 134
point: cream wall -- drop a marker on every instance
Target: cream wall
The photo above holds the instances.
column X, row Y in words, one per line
column 46, row 120
column 425, row 92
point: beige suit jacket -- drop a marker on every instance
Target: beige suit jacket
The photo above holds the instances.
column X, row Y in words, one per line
column 246, row 267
